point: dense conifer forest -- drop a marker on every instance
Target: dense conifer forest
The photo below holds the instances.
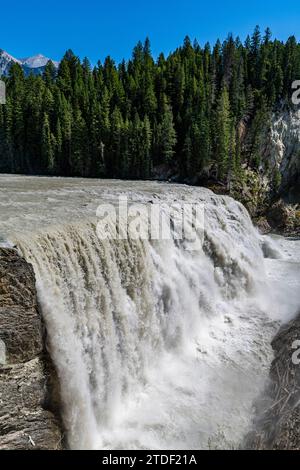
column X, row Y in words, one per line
column 183, row 112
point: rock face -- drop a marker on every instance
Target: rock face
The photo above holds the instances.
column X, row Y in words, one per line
column 282, row 151
column 284, row 218
column 29, row 391
column 278, row 422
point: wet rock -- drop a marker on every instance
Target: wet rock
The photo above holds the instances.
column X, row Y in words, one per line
column 277, row 425
column 29, row 414
column 283, row 217
column 262, row 224
column 278, row 215
column 20, row 322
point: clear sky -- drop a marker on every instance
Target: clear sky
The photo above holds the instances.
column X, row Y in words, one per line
column 112, row 27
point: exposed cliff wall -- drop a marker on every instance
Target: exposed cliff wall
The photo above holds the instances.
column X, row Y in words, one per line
column 28, row 387
column 272, row 193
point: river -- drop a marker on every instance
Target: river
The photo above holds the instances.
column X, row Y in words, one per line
column 157, row 346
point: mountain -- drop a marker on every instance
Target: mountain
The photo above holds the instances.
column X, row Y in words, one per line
column 37, row 61
column 6, row 60
column 34, row 64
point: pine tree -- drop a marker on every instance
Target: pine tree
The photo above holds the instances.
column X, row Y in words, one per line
column 79, row 164
column 223, row 131
column 167, row 135
column 47, row 149
column 146, row 163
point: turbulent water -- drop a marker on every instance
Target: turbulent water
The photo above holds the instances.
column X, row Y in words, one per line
column 155, row 346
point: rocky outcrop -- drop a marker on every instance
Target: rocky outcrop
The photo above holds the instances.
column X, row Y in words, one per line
column 272, row 195
column 29, row 392
column 252, row 191
column 281, row 152
column 278, row 422
column 284, row 218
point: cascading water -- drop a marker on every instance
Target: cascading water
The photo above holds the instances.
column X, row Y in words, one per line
column 155, row 346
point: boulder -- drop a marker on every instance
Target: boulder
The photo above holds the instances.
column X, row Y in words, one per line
column 279, row 215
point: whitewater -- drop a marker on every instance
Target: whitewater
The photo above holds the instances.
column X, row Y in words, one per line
column 156, row 346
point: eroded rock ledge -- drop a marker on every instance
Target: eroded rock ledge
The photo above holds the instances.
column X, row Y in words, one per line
column 29, row 394
column 278, row 423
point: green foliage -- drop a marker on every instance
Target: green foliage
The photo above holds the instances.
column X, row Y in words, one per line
column 276, row 180
column 184, row 111
column 222, row 131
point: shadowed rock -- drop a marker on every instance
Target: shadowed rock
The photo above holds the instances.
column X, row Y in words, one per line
column 29, row 393
column 278, row 423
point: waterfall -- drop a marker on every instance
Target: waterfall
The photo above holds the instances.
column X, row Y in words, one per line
column 155, row 346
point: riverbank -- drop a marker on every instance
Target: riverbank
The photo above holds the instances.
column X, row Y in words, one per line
column 277, row 426
column 269, row 216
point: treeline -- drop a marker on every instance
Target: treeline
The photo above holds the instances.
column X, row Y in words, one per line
column 186, row 112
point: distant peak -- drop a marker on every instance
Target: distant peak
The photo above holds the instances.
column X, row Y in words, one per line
column 38, row 62
column 8, row 57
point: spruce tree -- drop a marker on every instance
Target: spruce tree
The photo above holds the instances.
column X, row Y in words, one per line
column 47, row 149
column 167, row 135
column 223, row 132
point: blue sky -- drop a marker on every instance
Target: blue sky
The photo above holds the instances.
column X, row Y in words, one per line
column 97, row 28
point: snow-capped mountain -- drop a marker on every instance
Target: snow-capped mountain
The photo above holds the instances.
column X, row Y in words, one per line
column 6, row 60
column 34, row 64
column 36, row 61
